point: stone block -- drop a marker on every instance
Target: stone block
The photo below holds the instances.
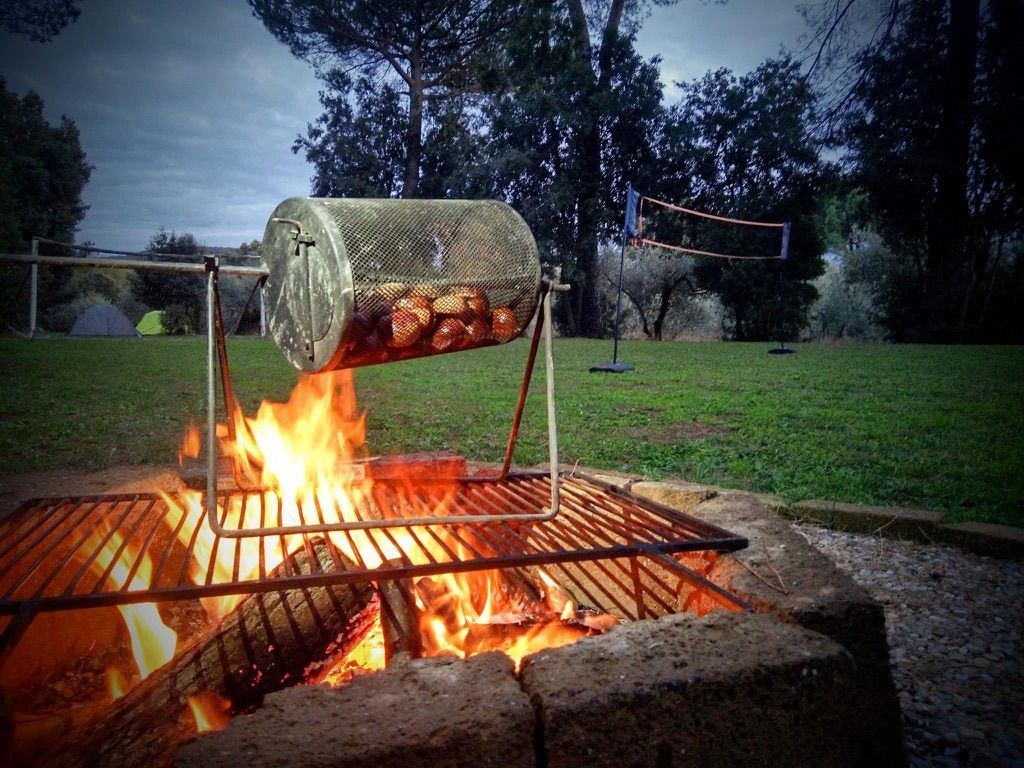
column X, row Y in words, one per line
column 892, row 522
column 984, row 538
column 729, row 689
column 429, row 713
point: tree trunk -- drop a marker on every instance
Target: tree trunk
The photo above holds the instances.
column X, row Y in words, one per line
column 948, row 223
column 588, row 149
column 264, row 645
column 414, row 135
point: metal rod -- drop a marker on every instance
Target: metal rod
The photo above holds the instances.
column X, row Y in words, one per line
column 517, row 419
column 164, row 266
column 618, row 299
column 33, row 296
column 211, row 398
column 720, row 595
column 222, row 357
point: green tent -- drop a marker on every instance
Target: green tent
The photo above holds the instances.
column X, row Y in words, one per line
column 151, row 324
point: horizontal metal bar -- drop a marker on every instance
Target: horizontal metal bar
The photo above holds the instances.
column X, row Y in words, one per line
column 162, row 266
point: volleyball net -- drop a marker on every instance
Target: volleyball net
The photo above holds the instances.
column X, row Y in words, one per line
column 659, row 224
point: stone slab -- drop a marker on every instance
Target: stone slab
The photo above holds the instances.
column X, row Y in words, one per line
column 893, row 522
column 728, row 689
column 429, row 713
column 984, row 538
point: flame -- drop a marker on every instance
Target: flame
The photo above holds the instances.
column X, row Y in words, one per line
column 211, row 711
column 117, row 683
column 190, row 445
column 152, row 641
column 303, row 454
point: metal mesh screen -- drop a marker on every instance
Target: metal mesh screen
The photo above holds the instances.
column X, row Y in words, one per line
column 427, row 277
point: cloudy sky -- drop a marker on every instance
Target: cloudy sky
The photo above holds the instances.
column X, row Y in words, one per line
column 188, row 109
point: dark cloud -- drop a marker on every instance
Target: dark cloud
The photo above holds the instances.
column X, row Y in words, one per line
column 189, row 109
column 694, row 36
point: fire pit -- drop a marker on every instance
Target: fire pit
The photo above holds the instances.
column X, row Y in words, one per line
column 317, row 565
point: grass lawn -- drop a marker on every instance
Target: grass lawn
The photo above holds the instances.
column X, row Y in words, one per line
column 934, row 427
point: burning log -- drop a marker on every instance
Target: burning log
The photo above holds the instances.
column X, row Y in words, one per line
column 399, row 620
column 263, row 645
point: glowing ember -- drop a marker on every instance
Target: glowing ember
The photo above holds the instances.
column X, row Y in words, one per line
column 152, row 641
column 211, row 712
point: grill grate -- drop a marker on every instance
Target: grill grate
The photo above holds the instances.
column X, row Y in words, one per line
column 78, row 552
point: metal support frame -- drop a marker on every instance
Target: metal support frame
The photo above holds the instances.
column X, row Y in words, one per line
column 543, row 327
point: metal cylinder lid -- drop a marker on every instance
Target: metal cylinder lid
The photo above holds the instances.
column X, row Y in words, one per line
column 358, row 282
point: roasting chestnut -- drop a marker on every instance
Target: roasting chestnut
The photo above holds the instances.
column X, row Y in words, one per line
column 449, row 332
column 419, row 306
column 405, row 328
column 504, row 325
column 450, row 305
column 383, row 328
column 477, row 330
column 427, row 291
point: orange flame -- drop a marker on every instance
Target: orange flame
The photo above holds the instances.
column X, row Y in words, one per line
column 303, row 454
column 152, row 641
column 117, row 683
column 211, row 711
column 190, row 445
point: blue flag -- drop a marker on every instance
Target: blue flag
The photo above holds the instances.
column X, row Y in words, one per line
column 632, row 198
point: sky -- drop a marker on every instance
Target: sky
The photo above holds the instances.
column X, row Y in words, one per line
column 188, row 109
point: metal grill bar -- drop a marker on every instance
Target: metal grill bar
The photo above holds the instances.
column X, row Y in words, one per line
column 50, row 550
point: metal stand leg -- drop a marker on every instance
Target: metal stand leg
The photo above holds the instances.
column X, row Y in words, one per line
column 544, row 320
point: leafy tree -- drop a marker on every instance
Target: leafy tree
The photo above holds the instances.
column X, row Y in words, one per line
column 182, row 292
column 422, row 50
column 930, row 123
column 42, row 173
column 38, row 20
column 655, row 282
column 740, row 147
column 573, row 117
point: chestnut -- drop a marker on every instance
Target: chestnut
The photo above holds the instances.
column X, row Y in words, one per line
column 405, row 328
column 504, row 324
column 477, row 331
column 450, row 305
column 448, row 334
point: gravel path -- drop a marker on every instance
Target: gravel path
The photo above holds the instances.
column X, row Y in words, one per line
column 956, row 636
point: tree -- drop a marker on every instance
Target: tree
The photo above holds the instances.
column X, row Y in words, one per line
column 572, row 118
column 654, row 283
column 42, row 173
column 181, row 293
column 740, row 147
column 38, row 20
column 427, row 50
column 930, row 124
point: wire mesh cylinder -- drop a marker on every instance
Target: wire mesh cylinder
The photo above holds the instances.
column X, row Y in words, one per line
column 357, row 282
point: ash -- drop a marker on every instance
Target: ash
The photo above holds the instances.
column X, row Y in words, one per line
column 955, row 624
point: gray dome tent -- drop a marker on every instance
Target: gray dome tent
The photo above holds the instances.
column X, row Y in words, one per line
column 102, row 320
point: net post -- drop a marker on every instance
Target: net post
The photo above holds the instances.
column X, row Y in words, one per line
column 784, row 254
column 628, row 229
column 33, row 297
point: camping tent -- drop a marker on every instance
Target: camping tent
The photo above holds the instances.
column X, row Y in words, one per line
column 102, row 320
column 151, row 324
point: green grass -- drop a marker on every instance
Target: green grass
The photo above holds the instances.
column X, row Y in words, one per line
column 934, row 427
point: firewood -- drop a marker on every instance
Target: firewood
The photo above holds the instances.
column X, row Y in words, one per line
column 263, row 645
